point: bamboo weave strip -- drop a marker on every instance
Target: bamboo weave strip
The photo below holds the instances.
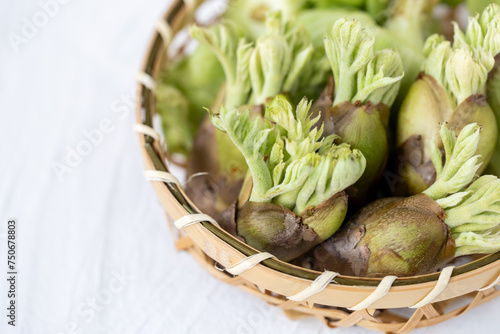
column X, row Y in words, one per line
column 248, row 263
column 146, row 80
column 146, row 130
column 318, row 285
column 155, row 175
column 441, row 284
column 193, row 219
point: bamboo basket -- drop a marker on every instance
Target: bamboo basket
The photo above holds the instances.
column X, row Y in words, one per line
column 339, row 301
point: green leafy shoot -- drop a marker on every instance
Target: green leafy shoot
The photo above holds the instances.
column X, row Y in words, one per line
column 472, row 211
column 333, row 173
column 233, row 53
column 290, row 164
column 360, row 73
column 251, row 15
column 465, row 76
column 482, row 36
column 456, row 70
column 462, row 68
column 479, row 210
column 380, row 80
column 437, row 51
column 251, row 137
column 348, row 51
column 257, row 73
column 295, row 126
column 279, row 58
column 483, row 242
column 461, row 162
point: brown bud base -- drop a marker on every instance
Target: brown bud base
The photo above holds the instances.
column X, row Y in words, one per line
column 212, row 194
column 271, row 228
column 392, row 236
column 417, row 171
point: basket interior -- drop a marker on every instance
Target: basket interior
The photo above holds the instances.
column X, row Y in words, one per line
column 394, row 320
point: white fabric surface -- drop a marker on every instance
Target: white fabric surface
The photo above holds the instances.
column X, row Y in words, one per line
column 102, row 219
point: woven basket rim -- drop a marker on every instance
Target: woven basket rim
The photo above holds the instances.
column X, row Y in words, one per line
column 153, row 156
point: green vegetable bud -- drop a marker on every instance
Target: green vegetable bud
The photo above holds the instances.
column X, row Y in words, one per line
column 198, row 88
column 465, row 76
column 366, row 84
column 419, row 234
column 482, row 34
column 474, row 219
column 319, row 22
column 461, row 161
column 298, row 155
column 349, row 51
column 478, row 209
column 452, row 89
column 297, row 178
column 486, row 242
column 254, row 75
column 426, row 106
column 364, row 127
column 269, row 64
column 392, row 236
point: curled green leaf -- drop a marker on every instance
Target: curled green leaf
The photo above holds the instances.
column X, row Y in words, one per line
column 438, row 51
column 480, row 210
column 461, row 162
column 452, row 200
column 462, row 67
column 380, row 80
column 484, row 242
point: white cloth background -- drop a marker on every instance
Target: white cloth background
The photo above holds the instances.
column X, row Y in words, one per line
column 95, row 254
